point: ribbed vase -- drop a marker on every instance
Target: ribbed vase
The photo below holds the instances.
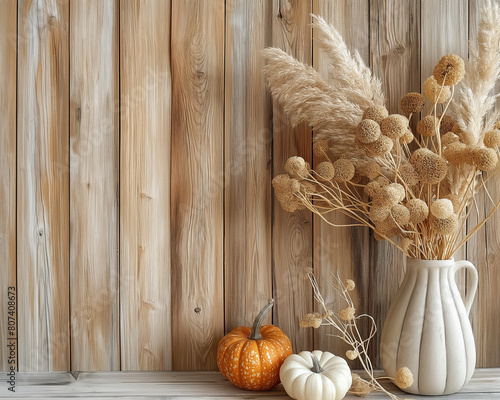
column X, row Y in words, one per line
column 427, row 328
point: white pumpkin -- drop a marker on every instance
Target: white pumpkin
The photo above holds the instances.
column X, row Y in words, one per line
column 315, row 376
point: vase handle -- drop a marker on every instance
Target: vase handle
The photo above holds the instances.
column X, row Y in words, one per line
column 472, row 281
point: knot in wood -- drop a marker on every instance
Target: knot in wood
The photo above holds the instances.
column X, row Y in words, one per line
column 197, row 310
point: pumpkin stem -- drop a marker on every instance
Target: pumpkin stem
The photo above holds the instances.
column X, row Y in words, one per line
column 316, row 367
column 257, row 323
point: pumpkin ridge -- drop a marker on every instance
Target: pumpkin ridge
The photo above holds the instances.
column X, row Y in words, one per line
column 240, row 360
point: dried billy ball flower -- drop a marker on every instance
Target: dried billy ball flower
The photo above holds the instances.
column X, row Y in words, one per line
column 356, row 178
column 351, row 354
column 311, row 319
column 388, row 196
column 398, row 189
column 400, row 214
column 376, row 113
column 456, row 200
column 320, row 147
column 394, row 126
column 485, row 158
column 449, row 70
column 371, row 169
column 344, row 170
column 378, row 213
column 349, row 285
column 325, row 170
column 297, row 167
column 408, row 174
column 444, row 226
column 284, row 189
column 427, row 126
column 372, row 188
column 406, row 244
column 454, row 152
column 449, row 138
column 446, row 125
column 404, row 378
column 383, row 181
column 407, row 137
column 368, row 131
column 442, row 208
column 307, row 188
column 412, row 102
column 432, row 90
column 468, row 155
column 492, row 138
column 380, row 147
column 456, row 129
column 347, row 314
column 418, row 210
column 430, row 167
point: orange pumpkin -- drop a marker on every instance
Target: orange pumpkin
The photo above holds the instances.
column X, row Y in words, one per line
column 251, row 358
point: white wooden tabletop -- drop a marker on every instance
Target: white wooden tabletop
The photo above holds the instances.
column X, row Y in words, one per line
column 485, row 384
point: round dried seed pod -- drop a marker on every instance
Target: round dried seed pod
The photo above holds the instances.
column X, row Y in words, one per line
column 380, row 147
column 376, row 113
column 285, row 189
column 297, row 167
column 400, row 214
column 454, row 152
column 320, row 147
column 408, row 174
column 418, row 210
column 468, row 155
column 485, row 158
column 379, row 212
column 456, row 200
column 449, row 138
column 344, row 170
column 372, row 188
column 394, row 126
column 406, row 244
column 492, row 138
column 432, row 89
column 399, row 190
column 371, row 169
column 445, row 226
column 449, row 70
column 356, row 178
column 427, row 126
column 388, row 196
column 446, row 125
column 430, row 167
column 383, row 181
column 456, row 129
column 442, row 208
column 407, row 137
column 412, row 102
column 368, row 131
column 325, row 170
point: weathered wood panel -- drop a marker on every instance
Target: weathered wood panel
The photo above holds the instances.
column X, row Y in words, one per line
column 145, row 185
column 336, row 249
column 8, row 43
column 483, row 250
column 247, row 169
column 94, row 185
column 43, row 185
column 197, row 182
column 395, row 59
column 292, row 232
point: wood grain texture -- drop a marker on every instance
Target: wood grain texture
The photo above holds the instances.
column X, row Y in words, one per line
column 292, row 232
column 197, row 185
column 336, row 249
column 146, row 98
column 8, row 42
column 43, row 185
column 94, row 167
column 483, row 250
column 395, row 59
column 248, row 147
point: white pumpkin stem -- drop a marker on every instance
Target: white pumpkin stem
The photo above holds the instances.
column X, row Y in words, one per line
column 259, row 319
column 316, row 367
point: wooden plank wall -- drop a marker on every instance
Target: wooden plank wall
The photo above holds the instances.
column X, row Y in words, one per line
column 137, row 147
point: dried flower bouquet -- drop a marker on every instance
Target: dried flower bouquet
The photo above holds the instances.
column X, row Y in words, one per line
column 415, row 189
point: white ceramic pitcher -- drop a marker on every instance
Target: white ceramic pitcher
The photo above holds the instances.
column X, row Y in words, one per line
column 427, row 328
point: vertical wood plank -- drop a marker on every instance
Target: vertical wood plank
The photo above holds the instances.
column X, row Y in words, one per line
column 341, row 250
column 43, row 185
column 145, row 185
column 8, row 40
column 94, row 185
column 247, row 162
column 395, row 58
column 482, row 250
column 292, row 232
column 197, row 214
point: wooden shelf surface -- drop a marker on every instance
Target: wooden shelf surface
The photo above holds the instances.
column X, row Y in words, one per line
column 484, row 385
